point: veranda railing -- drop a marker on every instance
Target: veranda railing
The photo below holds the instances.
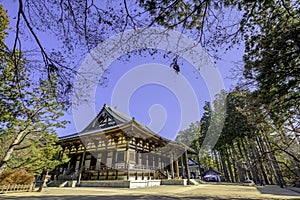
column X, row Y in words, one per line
column 16, row 188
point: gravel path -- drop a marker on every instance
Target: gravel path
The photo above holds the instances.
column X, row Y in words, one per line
column 203, row 191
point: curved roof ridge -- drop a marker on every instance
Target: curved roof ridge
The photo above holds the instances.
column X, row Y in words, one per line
column 84, row 133
column 115, row 113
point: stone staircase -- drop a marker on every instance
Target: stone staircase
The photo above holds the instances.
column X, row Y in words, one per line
column 57, row 183
column 69, row 175
column 196, row 182
column 64, row 179
column 193, row 182
column 161, row 175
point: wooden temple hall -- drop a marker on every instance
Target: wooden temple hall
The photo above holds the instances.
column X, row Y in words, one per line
column 116, row 147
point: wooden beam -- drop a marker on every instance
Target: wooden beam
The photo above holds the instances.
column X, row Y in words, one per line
column 81, row 167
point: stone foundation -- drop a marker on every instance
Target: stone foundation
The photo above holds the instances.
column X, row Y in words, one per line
column 174, row 182
column 121, row 183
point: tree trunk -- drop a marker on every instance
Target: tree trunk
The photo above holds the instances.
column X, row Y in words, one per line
column 278, row 174
column 233, row 163
column 264, row 161
column 254, row 165
column 269, row 164
column 44, row 183
column 240, row 177
column 245, row 160
column 220, row 167
column 217, row 160
column 222, row 157
column 251, row 161
column 263, row 176
column 238, row 144
column 8, row 153
column 229, row 166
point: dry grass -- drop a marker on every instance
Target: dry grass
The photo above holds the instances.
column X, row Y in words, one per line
column 16, row 177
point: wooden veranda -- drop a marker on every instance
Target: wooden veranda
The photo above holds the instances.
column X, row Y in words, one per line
column 116, row 147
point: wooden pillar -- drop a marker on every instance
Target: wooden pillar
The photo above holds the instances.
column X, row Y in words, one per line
column 105, row 154
column 116, row 174
column 60, row 153
column 153, row 160
column 115, row 153
column 161, row 158
column 81, row 166
column 159, row 161
column 69, row 165
column 127, row 163
column 172, row 166
column 198, row 161
column 150, row 160
column 139, row 159
column 104, row 158
column 137, row 141
column 114, row 159
column 187, row 165
column 147, row 160
column 177, row 168
column 182, row 166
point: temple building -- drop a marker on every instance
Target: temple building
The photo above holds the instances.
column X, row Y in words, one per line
column 117, row 147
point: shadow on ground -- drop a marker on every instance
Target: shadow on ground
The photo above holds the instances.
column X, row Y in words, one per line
column 93, row 197
column 217, row 192
column 275, row 190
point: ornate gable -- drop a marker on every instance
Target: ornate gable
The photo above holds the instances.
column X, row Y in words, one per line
column 107, row 117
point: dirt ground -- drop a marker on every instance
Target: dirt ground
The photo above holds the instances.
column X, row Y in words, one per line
column 203, row 191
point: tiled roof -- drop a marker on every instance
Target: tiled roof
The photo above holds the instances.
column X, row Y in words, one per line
column 121, row 121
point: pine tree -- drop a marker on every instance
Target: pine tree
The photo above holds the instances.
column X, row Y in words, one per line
column 29, row 114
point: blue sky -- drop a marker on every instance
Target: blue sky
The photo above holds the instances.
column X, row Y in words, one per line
column 151, row 103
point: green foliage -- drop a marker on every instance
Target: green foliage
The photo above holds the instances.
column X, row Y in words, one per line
column 205, row 121
column 272, row 62
column 28, row 121
column 206, row 132
column 236, row 125
column 270, row 30
column 3, row 27
column 247, row 117
column 272, row 55
column 29, row 116
column 16, row 177
column 171, row 14
column 188, row 136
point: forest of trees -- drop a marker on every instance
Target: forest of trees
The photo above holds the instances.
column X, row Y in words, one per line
column 260, row 136
column 252, row 145
column 261, row 127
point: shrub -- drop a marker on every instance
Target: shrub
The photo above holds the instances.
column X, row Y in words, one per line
column 16, row 177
